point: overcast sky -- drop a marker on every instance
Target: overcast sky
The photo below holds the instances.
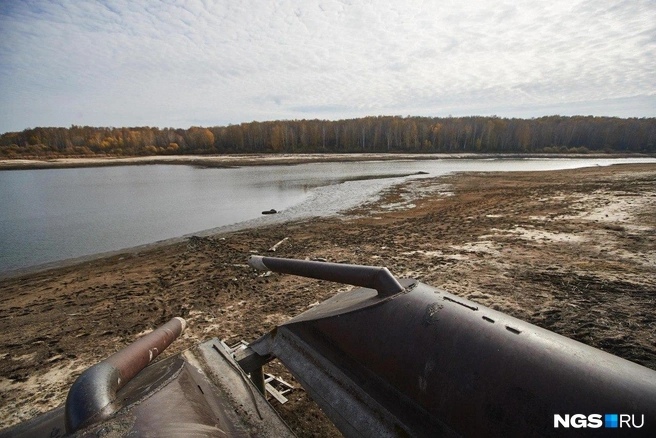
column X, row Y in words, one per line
column 207, row 63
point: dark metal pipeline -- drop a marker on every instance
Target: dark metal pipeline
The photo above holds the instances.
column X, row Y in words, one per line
column 429, row 363
column 372, row 277
column 92, row 394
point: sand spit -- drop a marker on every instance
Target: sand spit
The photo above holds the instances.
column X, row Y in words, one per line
column 238, row 160
column 573, row 251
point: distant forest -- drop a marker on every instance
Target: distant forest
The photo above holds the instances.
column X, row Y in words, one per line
column 553, row 134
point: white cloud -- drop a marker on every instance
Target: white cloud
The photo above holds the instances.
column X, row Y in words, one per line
column 215, row 62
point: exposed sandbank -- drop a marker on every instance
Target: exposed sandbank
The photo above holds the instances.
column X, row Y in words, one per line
column 264, row 159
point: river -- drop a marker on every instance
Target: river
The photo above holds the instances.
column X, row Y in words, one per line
column 50, row 215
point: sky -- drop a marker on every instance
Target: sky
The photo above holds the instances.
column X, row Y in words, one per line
column 211, row 63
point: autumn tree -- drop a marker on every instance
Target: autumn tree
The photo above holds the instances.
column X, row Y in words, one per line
column 370, row 134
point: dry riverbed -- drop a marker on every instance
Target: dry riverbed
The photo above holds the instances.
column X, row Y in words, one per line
column 572, row 251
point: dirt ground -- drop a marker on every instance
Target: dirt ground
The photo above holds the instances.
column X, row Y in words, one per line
column 572, row 251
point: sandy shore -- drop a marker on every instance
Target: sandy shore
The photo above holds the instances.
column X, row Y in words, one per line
column 572, row 251
column 235, row 160
column 238, row 160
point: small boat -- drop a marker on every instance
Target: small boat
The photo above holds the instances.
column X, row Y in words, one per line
column 272, row 211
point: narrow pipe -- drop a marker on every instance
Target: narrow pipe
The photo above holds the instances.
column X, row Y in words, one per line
column 372, row 277
column 96, row 387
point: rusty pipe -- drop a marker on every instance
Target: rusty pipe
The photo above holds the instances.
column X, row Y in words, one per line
column 91, row 395
column 372, row 277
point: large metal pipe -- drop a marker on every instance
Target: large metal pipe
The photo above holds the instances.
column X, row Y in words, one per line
column 92, row 394
column 429, row 363
column 372, row 277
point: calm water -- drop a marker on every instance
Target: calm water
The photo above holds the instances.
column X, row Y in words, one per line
column 57, row 214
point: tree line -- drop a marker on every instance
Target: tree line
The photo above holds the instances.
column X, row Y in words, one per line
column 552, row 134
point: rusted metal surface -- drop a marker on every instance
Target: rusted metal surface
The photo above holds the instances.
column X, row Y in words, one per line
column 90, row 397
column 201, row 392
column 429, row 363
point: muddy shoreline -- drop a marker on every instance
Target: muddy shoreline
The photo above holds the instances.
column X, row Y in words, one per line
column 573, row 251
column 240, row 160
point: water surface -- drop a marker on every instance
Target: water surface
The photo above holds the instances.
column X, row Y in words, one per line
column 49, row 215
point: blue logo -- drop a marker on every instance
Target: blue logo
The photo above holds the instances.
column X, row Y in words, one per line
column 610, row 421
